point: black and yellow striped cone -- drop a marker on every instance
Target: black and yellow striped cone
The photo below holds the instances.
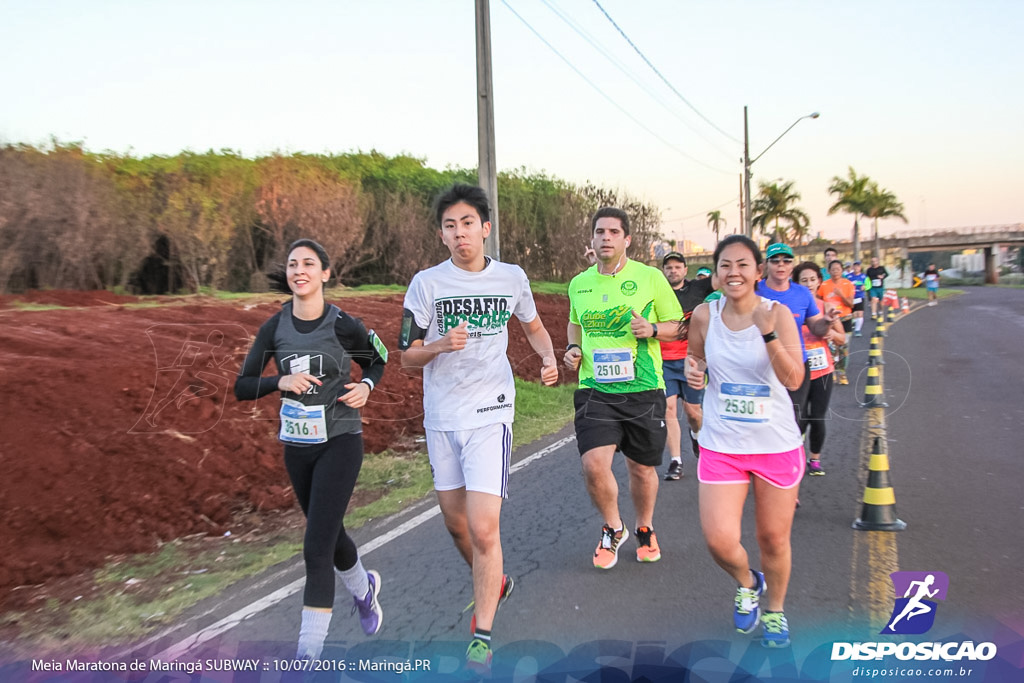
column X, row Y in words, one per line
column 873, row 397
column 888, row 315
column 879, row 511
column 875, row 350
column 880, row 325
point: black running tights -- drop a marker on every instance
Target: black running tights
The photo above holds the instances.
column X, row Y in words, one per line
column 323, row 477
column 816, row 411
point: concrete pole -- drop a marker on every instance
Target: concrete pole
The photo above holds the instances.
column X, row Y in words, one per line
column 487, row 165
column 748, row 225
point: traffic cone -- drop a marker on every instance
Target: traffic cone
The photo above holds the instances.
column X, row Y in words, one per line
column 879, row 510
column 880, row 326
column 906, row 305
column 875, row 350
column 873, row 397
column 888, row 315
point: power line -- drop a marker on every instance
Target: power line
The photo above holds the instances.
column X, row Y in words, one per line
column 604, row 52
column 665, row 80
column 703, row 213
column 609, row 98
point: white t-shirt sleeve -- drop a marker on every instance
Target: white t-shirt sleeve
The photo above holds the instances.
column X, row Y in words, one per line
column 416, row 301
column 526, row 307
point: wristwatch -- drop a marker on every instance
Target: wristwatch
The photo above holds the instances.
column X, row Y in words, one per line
column 573, row 346
column 771, row 336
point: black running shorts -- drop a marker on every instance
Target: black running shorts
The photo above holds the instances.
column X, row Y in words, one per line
column 634, row 423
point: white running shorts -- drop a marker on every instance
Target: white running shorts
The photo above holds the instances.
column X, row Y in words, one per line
column 477, row 459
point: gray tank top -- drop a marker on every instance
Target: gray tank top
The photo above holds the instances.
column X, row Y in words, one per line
column 320, row 354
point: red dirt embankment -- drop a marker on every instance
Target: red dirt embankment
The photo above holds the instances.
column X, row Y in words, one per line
column 120, row 429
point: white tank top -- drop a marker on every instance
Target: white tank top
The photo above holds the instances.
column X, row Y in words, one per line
column 747, row 410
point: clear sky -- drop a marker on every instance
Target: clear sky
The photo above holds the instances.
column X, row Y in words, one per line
column 924, row 96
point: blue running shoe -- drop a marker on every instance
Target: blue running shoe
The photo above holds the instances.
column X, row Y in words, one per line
column 747, row 610
column 776, row 629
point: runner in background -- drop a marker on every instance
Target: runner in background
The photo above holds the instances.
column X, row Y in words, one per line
column 313, row 344
column 931, row 283
column 690, row 294
column 830, row 255
column 858, row 279
column 820, row 364
column 839, row 293
column 455, row 327
column 876, row 281
column 619, row 309
column 751, row 351
column 778, row 286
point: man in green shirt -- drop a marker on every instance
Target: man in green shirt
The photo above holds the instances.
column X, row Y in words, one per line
column 618, row 311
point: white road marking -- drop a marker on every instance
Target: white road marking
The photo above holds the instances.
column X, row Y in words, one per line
column 206, row 634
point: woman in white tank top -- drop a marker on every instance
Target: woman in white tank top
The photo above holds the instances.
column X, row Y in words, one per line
column 751, row 350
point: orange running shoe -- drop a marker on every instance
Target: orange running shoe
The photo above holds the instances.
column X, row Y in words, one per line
column 607, row 553
column 647, row 549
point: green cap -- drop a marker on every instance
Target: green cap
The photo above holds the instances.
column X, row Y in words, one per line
column 778, row 248
column 703, row 271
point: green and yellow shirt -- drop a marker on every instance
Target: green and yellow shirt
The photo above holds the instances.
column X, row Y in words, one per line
column 603, row 306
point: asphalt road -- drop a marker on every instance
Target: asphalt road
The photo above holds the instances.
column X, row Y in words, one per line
column 953, row 380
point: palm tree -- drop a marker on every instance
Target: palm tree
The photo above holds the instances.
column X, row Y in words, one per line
column 881, row 204
column 716, row 222
column 774, row 203
column 850, row 193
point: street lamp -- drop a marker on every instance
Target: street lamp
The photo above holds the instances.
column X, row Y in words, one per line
column 747, row 161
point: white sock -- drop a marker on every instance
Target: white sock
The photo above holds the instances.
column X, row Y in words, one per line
column 857, row 324
column 312, row 633
column 355, row 579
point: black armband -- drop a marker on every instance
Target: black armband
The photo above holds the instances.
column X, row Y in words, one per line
column 410, row 330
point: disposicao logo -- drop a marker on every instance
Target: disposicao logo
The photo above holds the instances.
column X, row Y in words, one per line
column 914, row 613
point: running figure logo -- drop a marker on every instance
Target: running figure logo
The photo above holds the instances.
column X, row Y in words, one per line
column 914, row 613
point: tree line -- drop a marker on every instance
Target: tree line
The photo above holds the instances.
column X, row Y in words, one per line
column 774, row 211
column 73, row 219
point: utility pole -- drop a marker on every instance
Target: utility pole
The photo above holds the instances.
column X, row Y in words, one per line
column 748, row 225
column 487, row 165
column 743, row 206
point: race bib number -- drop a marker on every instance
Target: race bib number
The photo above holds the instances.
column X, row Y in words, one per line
column 817, row 358
column 931, row 278
column 613, row 365
column 876, row 283
column 302, row 424
column 858, row 299
column 745, row 402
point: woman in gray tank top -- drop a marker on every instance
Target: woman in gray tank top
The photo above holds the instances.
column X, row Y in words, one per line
column 313, row 344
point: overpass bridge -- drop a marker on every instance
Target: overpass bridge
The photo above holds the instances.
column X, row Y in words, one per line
column 895, row 249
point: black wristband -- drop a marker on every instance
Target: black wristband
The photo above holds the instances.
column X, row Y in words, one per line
column 654, row 330
column 572, row 346
column 771, row 336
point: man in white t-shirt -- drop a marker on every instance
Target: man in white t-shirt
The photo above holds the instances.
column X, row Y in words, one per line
column 454, row 326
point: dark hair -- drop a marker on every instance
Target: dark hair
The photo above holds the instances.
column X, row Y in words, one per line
column 737, row 239
column 610, row 212
column 278, row 278
column 829, row 266
column 806, row 265
column 462, row 193
column 832, row 249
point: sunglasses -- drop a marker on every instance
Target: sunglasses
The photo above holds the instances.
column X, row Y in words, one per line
column 775, row 260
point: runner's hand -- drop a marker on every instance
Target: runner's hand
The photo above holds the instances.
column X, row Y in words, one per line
column 763, row 316
column 356, row 396
column 572, row 358
column 455, row 339
column 549, row 371
column 639, row 326
column 695, row 372
column 299, row 383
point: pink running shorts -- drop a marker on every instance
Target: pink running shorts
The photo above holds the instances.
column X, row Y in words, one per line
column 782, row 470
